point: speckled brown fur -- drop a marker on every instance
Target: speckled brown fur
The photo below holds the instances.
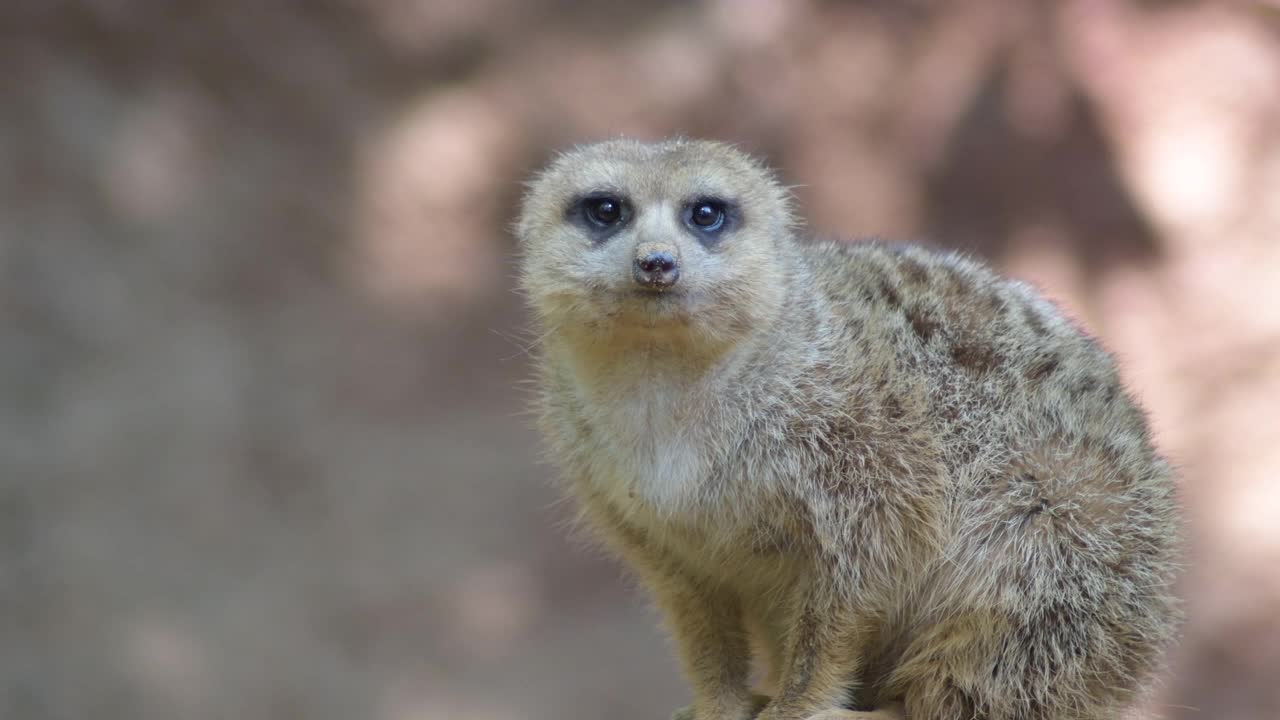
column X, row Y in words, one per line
column 910, row 484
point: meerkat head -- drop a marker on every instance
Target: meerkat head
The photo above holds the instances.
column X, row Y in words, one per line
column 687, row 241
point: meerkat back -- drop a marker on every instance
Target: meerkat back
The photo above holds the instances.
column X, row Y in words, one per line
column 1061, row 520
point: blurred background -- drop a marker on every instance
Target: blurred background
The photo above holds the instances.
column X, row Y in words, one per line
column 262, row 450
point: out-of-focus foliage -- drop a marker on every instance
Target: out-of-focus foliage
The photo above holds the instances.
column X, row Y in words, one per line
column 261, row 451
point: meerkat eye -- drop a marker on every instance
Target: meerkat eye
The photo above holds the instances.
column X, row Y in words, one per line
column 603, row 211
column 706, row 216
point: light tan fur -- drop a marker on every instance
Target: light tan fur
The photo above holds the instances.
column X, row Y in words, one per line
column 907, row 482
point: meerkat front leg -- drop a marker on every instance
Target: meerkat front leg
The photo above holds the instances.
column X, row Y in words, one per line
column 823, row 656
column 705, row 619
column 711, row 638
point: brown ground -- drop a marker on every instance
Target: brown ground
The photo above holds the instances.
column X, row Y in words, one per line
column 261, row 451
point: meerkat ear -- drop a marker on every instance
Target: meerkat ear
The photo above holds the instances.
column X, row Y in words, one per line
column 533, row 207
column 540, row 189
column 516, row 228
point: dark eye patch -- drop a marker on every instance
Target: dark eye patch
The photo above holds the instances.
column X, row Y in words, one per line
column 600, row 213
column 708, row 217
column 604, row 211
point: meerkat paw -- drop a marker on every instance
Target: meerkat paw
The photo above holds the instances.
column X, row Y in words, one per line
column 892, row 711
column 757, row 704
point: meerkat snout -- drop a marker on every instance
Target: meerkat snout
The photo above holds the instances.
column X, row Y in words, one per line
column 656, row 267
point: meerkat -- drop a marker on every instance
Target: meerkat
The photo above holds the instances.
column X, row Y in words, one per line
column 903, row 484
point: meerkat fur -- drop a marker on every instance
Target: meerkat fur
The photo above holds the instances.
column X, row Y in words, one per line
column 901, row 483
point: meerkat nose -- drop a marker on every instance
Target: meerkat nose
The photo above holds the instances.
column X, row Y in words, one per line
column 658, row 269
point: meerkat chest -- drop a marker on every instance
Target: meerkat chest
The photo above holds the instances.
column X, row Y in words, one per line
column 667, row 480
column 653, row 454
